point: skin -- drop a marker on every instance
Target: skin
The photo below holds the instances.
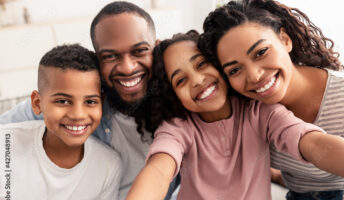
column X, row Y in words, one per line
column 125, row 54
column 69, row 98
column 152, row 182
column 197, row 84
column 299, row 88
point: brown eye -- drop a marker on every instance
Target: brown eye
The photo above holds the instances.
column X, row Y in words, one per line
column 261, row 52
column 62, row 101
column 90, row 101
column 109, row 57
column 139, row 51
column 180, row 81
column 233, row 71
column 201, row 64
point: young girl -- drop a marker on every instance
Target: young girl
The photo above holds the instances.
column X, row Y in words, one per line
column 275, row 54
column 219, row 144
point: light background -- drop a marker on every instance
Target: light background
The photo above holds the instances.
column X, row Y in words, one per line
column 64, row 21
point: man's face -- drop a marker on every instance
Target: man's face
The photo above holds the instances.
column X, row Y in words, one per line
column 124, row 45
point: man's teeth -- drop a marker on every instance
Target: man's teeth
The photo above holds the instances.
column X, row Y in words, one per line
column 75, row 128
column 207, row 92
column 267, row 86
column 131, row 83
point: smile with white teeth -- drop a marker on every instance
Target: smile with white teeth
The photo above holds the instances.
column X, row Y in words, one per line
column 267, row 86
column 130, row 83
column 207, row 92
column 75, row 128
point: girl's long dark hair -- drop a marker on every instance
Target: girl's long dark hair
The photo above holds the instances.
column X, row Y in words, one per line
column 310, row 46
column 161, row 103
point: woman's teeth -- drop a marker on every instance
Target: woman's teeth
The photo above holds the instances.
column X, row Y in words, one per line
column 131, row 83
column 267, row 86
column 207, row 92
column 75, row 128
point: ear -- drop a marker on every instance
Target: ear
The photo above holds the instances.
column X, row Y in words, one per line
column 284, row 37
column 36, row 102
column 157, row 42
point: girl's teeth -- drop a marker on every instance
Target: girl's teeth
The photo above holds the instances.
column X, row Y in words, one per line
column 207, row 92
column 75, row 128
column 131, row 83
column 267, row 86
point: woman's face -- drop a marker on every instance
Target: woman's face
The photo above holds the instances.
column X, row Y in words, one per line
column 256, row 61
column 197, row 84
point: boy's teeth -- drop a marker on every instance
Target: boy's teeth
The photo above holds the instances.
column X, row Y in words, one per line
column 75, row 128
column 207, row 92
column 131, row 83
column 267, row 86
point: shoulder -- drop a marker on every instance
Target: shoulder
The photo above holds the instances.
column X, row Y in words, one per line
column 339, row 74
column 176, row 124
column 103, row 151
column 26, row 125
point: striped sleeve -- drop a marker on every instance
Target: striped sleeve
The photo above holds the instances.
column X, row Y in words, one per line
column 301, row 177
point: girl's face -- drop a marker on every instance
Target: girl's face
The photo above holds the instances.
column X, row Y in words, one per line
column 256, row 61
column 197, row 84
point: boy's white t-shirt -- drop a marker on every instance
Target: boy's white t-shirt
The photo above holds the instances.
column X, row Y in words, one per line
column 26, row 172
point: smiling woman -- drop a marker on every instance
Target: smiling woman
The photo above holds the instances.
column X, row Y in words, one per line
column 275, row 54
column 262, row 69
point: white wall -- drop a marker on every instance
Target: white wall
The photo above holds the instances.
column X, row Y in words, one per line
column 328, row 15
column 68, row 21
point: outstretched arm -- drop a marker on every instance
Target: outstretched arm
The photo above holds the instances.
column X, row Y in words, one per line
column 324, row 151
column 153, row 180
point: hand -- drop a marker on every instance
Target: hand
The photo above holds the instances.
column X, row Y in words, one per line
column 276, row 177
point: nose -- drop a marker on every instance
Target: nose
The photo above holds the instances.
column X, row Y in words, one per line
column 197, row 79
column 254, row 74
column 127, row 65
column 77, row 112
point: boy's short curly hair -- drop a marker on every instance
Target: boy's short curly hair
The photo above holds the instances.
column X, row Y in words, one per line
column 71, row 56
column 65, row 57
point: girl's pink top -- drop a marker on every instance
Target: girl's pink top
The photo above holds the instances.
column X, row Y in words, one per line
column 229, row 159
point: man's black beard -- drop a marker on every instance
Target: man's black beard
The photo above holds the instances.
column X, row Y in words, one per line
column 118, row 104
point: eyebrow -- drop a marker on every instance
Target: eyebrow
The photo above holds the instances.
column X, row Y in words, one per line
column 93, row 96
column 254, row 46
column 194, row 57
column 191, row 59
column 70, row 96
column 175, row 73
column 248, row 52
column 106, row 51
column 140, row 43
column 114, row 51
column 229, row 64
column 61, row 94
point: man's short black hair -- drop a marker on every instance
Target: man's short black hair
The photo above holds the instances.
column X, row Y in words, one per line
column 119, row 7
column 65, row 57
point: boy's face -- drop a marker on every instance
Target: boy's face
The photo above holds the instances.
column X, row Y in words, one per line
column 71, row 104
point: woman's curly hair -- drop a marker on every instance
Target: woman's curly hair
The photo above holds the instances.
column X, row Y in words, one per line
column 310, row 46
column 162, row 103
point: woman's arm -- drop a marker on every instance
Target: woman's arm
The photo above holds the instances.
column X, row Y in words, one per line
column 324, row 151
column 153, row 180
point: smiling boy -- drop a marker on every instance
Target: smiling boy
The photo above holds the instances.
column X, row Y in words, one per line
column 56, row 158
